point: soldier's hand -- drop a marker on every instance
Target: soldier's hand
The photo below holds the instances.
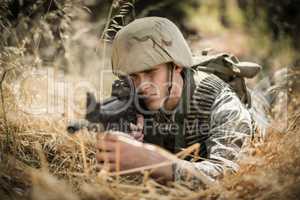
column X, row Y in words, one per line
column 137, row 129
column 117, row 152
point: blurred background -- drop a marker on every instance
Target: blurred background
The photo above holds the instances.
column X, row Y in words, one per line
column 263, row 31
column 72, row 39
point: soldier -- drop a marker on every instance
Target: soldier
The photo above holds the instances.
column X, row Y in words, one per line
column 186, row 106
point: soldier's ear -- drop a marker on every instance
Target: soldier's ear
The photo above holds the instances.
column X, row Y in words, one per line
column 178, row 69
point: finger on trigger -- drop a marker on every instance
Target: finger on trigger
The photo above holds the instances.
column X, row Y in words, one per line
column 140, row 121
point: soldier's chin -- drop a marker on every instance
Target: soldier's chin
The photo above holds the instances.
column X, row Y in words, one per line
column 153, row 105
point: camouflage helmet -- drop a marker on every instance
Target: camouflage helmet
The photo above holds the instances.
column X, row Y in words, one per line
column 147, row 42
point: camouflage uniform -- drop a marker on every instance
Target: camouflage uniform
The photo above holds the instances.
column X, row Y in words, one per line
column 209, row 112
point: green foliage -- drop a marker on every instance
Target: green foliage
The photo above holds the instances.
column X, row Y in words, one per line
column 281, row 17
column 120, row 14
column 36, row 25
column 177, row 12
column 275, row 26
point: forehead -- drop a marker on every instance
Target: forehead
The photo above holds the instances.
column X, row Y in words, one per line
column 156, row 67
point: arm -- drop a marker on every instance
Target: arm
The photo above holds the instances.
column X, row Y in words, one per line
column 230, row 125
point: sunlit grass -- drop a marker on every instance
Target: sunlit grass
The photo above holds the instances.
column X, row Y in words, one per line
column 38, row 155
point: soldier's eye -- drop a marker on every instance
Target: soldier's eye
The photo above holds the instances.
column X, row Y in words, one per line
column 151, row 71
column 133, row 76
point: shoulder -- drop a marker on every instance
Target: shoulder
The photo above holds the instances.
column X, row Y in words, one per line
column 208, row 87
column 228, row 111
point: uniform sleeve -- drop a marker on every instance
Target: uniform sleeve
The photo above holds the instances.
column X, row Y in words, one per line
column 230, row 125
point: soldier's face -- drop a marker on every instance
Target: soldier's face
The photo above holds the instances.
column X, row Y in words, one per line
column 152, row 85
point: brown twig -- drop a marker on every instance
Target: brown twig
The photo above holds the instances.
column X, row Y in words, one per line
column 3, row 103
column 2, row 97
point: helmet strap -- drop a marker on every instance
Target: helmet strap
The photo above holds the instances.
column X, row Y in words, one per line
column 170, row 81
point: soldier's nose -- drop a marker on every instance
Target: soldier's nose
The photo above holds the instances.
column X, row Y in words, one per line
column 144, row 88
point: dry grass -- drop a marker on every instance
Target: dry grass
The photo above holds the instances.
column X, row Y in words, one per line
column 40, row 160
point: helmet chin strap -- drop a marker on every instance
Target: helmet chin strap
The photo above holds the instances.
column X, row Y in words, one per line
column 162, row 112
column 170, row 81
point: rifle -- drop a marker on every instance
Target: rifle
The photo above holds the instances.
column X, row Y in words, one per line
column 114, row 113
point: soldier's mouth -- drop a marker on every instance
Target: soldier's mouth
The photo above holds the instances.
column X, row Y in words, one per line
column 148, row 96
